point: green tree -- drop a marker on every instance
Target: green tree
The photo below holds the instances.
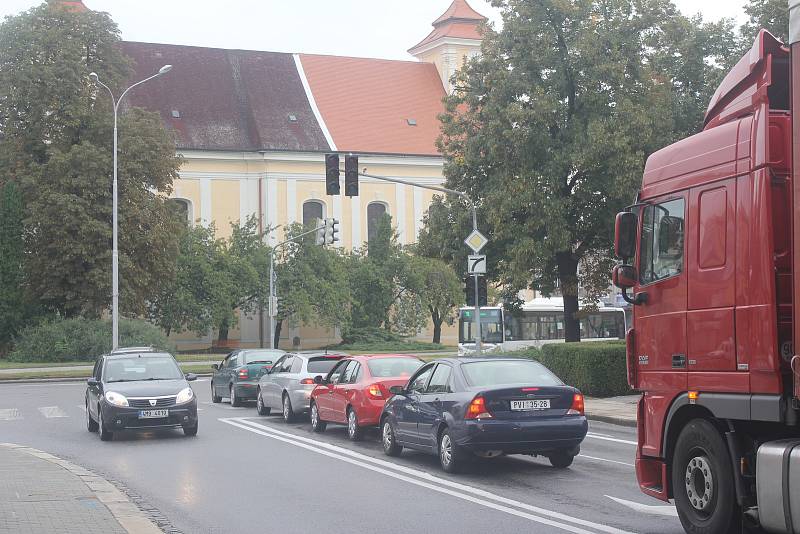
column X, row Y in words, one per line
column 12, row 280
column 312, row 285
column 548, row 130
column 440, row 292
column 772, row 15
column 57, row 145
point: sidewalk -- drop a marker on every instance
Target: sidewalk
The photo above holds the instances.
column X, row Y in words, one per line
column 40, row 493
column 615, row 410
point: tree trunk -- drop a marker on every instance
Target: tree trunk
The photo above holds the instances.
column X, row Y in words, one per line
column 568, row 277
column 222, row 336
column 437, row 326
column 277, row 337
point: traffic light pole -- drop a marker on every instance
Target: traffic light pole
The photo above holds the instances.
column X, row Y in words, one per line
column 272, row 281
column 461, row 194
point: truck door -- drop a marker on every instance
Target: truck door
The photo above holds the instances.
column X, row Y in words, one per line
column 710, row 260
column 660, row 321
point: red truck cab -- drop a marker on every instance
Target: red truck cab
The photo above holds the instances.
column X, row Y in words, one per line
column 709, row 257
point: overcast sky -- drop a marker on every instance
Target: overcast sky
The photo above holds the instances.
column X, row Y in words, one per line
column 368, row 28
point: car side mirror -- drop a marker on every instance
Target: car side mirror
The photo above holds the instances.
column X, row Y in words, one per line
column 625, row 235
column 397, row 390
column 215, row 366
column 319, row 380
column 92, row 382
column 191, row 377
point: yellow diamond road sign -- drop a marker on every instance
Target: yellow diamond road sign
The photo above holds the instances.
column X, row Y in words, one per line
column 476, row 241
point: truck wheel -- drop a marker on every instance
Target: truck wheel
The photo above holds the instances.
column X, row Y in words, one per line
column 702, row 481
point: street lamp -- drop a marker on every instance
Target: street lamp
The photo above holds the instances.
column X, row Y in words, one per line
column 115, row 253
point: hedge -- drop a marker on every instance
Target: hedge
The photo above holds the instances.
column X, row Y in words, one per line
column 67, row 340
column 598, row 369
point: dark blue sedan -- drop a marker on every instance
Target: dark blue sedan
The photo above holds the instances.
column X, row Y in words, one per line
column 463, row 407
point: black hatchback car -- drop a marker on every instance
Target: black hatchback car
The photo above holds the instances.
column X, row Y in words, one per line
column 462, row 407
column 139, row 388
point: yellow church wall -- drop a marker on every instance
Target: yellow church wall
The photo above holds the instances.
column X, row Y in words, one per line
column 224, row 205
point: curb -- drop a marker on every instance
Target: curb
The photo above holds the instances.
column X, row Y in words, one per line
column 622, row 421
column 124, row 511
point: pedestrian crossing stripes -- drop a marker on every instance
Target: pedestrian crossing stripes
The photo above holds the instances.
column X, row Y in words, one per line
column 9, row 414
column 52, row 412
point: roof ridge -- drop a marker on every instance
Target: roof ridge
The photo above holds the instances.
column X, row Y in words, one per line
column 459, row 10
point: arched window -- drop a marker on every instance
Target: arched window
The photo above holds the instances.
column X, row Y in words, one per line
column 312, row 210
column 184, row 207
column 375, row 210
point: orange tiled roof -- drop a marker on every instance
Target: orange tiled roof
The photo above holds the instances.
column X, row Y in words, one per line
column 366, row 103
column 74, row 5
column 460, row 9
column 460, row 21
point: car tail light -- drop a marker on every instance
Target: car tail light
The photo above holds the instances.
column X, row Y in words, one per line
column 577, row 407
column 477, row 409
column 375, row 392
column 307, row 381
column 244, row 373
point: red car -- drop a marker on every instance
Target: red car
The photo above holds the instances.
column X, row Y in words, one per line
column 354, row 392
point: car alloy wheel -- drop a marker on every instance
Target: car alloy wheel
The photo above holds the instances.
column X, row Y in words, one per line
column 235, row 402
column 354, row 431
column 260, row 408
column 101, row 426
column 91, row 424
column 446, row 451
column 288, row 414
column 390, row 445
column 317, row 425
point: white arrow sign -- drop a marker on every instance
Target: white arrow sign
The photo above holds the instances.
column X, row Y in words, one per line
column 646, row 508
column 476, row 265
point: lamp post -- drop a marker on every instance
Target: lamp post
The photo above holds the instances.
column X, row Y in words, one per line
column 115, row 252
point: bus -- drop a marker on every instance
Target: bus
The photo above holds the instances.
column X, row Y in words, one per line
column 539, row 322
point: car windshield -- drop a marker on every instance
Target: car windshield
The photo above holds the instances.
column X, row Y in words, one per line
column 393, row 367
column 262, row 356
column 492, row 373
column 322, row 364
column 141, row 368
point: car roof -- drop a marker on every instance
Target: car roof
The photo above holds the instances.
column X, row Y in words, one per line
column 378, row 356
column 487, row 359
column 129, row 350
column 120, row 355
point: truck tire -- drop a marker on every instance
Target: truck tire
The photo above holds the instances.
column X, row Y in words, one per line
column 702, row 481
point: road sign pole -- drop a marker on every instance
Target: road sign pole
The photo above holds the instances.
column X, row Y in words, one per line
column 478, row 336
column 271, row 296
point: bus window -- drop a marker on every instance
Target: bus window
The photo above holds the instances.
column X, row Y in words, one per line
column 599, row 325
column 491, row 326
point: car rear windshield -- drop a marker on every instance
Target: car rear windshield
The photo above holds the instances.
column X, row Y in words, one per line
column 481, row 374
column 393, row 367
column 322, row 364
column 262, row 356
column 141, row 368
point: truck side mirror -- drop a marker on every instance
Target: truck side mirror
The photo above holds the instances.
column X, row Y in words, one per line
column 625, row 235
column 623, row 276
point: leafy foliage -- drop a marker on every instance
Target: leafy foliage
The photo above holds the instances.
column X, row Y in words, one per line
column 64, row 340
column 57, row 145
column 772, row 15
column 548, row 130
column 312, row 284
column 439, row 292
column 597, row 368
column 14, row 305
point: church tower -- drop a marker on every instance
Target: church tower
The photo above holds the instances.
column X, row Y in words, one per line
column 455, row 38
column 73, row 5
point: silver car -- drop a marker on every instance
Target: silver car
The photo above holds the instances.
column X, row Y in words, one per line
column 287, row 386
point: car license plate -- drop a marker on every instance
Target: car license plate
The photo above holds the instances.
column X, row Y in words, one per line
column 153, row 414
column 522, row 405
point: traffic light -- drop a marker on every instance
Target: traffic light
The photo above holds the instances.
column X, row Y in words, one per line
column 321, row 227
column 351, row 176
column 332, row 174
column 469, row 290
column 483, row 296
column 331, row 231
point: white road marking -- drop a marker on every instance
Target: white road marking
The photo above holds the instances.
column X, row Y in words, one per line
column 458, row 490
column 605, row 460
column 52, row 412
column 10, row 414
column 608, row 438
column 647, row 508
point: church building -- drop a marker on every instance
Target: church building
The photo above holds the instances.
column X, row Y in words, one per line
column 254, row 128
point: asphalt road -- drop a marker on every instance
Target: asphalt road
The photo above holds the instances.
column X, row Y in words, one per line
column 245, row 473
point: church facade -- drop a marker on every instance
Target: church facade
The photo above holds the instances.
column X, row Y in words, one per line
column 254, row 127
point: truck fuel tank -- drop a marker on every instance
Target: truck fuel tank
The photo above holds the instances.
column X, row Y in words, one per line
column 778, row 486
